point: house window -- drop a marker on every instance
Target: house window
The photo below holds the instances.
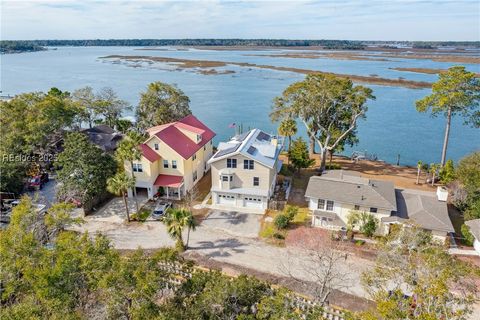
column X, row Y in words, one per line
column 356, row 207
column 231, row 178
column 256, row 181
column 248, row 164
column 155, row 146
column 373, row 210
column 204, row 148
column 165, row 163
column 211, row 142
column 321, row 204
column 195, row 175
column 194, row 157
column 199, row 137
column 231, row 163
column 137, row 167
column 174, row 164
column 225, row 178
column 329, row 205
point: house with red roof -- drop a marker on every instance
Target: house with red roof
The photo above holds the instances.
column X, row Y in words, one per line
column 174, row 158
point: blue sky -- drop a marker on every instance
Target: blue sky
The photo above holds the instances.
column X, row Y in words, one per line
column 349, row 19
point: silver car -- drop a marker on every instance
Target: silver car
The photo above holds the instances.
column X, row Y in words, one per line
column 160, row 209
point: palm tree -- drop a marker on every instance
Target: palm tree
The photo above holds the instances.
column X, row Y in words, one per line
column 118, row 185
column 128, row 150
column 419, row 170
column 288, row 128
column 191, row 225
column 176, row 220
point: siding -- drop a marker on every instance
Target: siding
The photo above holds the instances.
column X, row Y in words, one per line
column 243, row 178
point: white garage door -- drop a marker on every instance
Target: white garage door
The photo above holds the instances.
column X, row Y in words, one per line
column 226, row 199
column 251, row 202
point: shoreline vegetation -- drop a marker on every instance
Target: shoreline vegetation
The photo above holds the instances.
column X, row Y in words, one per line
column 425, row 70
column 183, row 64
column 378, row 55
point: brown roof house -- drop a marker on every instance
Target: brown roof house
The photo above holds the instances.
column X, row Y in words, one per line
column 335, row 194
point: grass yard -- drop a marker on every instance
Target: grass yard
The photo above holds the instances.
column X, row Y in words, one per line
column 274, row 235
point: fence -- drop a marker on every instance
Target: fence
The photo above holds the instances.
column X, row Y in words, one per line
column 297, row 301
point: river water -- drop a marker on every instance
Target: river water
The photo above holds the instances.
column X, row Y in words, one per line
column 392, row 126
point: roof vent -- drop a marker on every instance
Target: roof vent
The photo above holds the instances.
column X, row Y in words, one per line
column 442, row 194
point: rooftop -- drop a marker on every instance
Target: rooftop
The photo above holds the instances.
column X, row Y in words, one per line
column 172, row 135
column 474, row 226
column 254, row 144
column 424, row 209
column 349, row 187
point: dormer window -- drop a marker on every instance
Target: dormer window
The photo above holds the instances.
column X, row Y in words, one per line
column 156, row 146
column 199, row 137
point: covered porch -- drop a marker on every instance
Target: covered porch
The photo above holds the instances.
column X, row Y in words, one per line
column 172, row 186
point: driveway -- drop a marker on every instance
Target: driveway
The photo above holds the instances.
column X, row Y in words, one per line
column 46, row 195
column 236, row 223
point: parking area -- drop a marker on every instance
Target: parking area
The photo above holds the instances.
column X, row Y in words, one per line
column 236, row 223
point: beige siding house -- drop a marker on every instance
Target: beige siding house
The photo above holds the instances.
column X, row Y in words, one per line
column 338, row 193
column 174, row 158
column 244, row 171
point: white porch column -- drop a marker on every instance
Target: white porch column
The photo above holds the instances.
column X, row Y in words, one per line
column 168, row 192
column 179, row 189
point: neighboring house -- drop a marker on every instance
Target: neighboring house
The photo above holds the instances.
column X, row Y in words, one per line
column 474, row 226
column 104, row 137
column 244, row 170
column 335, row 194
column 174, row 158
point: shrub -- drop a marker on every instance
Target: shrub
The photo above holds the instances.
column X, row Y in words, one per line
column 279, row 236
column 267, row 231
column 468, row 238
column 290, row 212
column 333, row 166
column 369, row 225
column 281, row 221
column 142, row 215
column 447, row 173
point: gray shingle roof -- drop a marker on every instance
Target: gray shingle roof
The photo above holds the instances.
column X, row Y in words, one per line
column 474, row 226
column 424, row 209
column 349, row 187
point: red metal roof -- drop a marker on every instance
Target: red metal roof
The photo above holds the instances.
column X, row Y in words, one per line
column 175, row 139
column 166, row 180
column 148, row 153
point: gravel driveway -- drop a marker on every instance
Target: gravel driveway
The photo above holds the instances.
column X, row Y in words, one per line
column 236, row 223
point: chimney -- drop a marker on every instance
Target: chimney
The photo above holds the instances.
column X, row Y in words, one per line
column 442, row 194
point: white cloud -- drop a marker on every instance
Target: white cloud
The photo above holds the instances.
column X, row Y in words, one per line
column 377, row 19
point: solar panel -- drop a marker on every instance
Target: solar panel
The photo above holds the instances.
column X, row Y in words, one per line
column 226, row 151
column 251, row 150
column 262, row 136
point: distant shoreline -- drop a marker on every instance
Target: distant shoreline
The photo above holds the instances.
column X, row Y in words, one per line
column 202, row 64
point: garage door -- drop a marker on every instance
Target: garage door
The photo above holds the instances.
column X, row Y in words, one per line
column 226, row 199
column 251, row 202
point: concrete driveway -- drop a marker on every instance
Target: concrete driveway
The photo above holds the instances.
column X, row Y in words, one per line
column 236, row 223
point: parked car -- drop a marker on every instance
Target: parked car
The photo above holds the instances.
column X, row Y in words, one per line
column 160, row 209
column 37, row 182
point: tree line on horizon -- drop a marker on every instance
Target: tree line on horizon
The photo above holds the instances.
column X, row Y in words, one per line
column 13, row 46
